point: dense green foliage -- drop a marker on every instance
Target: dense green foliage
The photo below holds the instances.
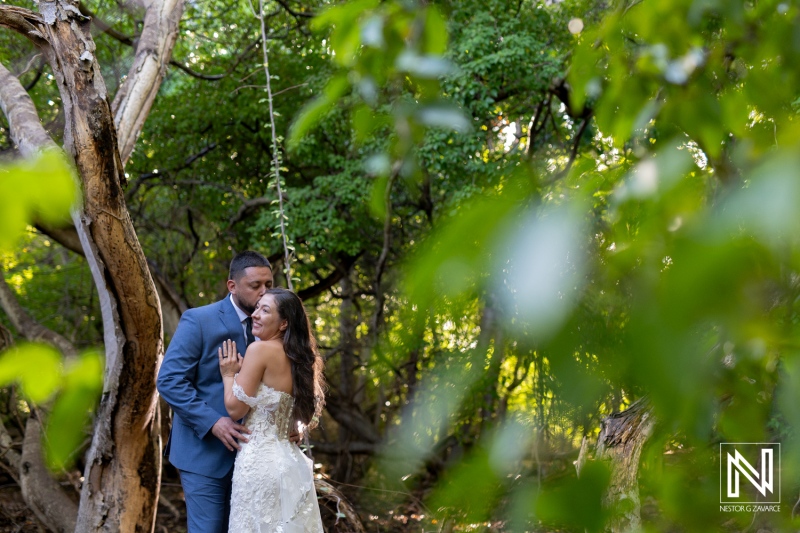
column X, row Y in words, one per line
column 504, row 232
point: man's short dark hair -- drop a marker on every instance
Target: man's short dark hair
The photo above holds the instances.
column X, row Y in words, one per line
column 244, row 260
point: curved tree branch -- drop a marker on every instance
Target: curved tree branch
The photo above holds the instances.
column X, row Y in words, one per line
column 27, row 131
column 296, row 14
column 195, row 74
column 27, row 326
column 350, row 417
column 25, row 22
column 330, row 280
column 135, row 97
column 39, row 71
column 105, row 27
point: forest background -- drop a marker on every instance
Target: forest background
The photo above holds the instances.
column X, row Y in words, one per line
column 508, row 220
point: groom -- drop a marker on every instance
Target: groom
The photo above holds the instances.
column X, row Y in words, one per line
column 203, row 441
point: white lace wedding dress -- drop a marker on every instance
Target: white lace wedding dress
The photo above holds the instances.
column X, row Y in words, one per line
column 273, row 483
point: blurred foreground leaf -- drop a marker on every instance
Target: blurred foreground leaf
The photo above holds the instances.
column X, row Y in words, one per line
column 42, row 188
column 36, row 367
column 76, row 386
column 73, row 408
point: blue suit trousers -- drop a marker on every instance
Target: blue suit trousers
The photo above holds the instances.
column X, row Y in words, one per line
column 205, row 498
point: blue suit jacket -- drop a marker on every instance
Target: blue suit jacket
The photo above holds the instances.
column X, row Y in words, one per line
column 190, row 382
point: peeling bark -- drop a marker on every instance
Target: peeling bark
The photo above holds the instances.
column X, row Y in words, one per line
column 622, row 436
column 123, row 469
column 23, row 21
column 123, row 464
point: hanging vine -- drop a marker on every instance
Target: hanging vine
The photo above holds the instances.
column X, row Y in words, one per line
column 275, row 170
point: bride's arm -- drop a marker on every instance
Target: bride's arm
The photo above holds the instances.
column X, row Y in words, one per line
column 250, row 370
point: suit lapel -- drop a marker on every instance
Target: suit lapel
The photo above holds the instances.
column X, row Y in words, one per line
column 231, row 320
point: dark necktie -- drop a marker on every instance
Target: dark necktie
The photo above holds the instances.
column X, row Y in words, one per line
column 249, row 325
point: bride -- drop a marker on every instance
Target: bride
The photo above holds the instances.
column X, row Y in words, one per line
column 278, row 384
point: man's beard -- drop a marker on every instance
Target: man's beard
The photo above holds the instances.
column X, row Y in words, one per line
column 249, row 309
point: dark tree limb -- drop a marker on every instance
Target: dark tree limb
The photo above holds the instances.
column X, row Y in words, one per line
column 66, row 236
column 335, row 500
column 350, row 417
column 247, row 207
column 27, row 326
column 195, row 74
column 353, row 448
column 104, row 27
column 330, row 280
column 561, row 90
column 142, row 179
column 43, row 495
column 296, row 14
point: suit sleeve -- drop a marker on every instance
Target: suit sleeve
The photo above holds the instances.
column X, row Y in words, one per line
column 178, row 372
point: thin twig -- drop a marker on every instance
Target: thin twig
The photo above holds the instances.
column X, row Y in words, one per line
column 290, row 88
column 248, row 87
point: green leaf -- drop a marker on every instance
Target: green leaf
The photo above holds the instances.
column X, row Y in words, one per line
column 379, row 165
column 424, row 66
column 73, row 408
column 444, row 116
column 342, row 13
column 471, row 489
column 316, row 110
column 540, row 266
column 583, row 74
column 36, row 367
column 435, row 31
column 42, row 188
column 578, row 501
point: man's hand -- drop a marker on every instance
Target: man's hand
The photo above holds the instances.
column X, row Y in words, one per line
column 295, row 437
column 229, row 432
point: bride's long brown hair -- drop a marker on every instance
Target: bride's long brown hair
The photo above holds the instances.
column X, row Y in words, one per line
column 308, row 383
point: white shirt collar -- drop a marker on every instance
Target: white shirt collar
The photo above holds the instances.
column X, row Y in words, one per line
column 241, row 314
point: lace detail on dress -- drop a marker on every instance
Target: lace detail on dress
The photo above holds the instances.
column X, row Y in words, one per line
column 241, row 395
column 273, row 483
column 276, row 407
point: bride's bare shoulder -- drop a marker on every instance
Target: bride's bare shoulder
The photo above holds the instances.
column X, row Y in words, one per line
column 267, row 350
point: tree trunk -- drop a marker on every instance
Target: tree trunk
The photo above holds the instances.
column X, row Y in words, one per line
column 123, row 464
column 344, row 398
column 41, row 492
column 622, row 436
column 123, row 470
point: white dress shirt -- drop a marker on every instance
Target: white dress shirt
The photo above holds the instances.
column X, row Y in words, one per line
column 242, row 318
